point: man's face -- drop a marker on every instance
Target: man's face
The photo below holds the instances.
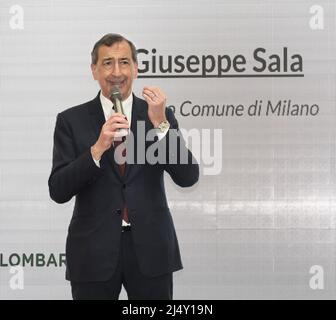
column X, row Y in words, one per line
column 115, row 67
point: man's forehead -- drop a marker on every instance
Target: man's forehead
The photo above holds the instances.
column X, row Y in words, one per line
column 117, row 50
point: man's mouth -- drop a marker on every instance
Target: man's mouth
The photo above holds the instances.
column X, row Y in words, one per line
column 117, row 83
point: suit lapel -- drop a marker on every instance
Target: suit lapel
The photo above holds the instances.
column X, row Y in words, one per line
column 97, row 115
column 139, row 113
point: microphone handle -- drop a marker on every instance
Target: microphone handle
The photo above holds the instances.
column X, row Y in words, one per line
column 119, row 109
column 118, row 106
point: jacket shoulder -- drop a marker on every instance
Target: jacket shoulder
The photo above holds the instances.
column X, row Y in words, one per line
column 78, row 110
column 75, row 110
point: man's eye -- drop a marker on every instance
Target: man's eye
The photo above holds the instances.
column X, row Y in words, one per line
column 125, row 62
column 107, row 63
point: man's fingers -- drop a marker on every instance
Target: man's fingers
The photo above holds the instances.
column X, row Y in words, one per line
column 148, row 94
column 114, row 127
column 153, row 92
column 153, row 97
column 117, row 114
column 119, row 126
column 116, row 118
column 147, row 97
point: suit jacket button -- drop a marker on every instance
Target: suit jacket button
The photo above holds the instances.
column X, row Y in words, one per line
column 118, row 211
column 124, row 186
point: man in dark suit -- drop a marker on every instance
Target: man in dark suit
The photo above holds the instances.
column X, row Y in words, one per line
column 121, row 231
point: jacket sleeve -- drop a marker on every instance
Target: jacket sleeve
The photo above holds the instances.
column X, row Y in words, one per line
column 70, row 172
column 181, row 164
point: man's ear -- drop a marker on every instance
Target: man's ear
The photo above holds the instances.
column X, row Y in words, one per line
column 93, row 70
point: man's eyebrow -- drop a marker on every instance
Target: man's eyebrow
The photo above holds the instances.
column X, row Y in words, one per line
column 120, row 59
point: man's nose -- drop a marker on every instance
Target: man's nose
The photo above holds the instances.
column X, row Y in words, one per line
column 116, row 69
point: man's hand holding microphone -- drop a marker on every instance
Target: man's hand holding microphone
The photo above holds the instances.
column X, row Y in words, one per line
column 116, row 126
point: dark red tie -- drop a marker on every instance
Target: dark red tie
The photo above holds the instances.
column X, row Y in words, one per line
column 122, row 153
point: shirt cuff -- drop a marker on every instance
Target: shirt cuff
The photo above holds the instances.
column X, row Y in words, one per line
column 160, row 134
column 97, row 162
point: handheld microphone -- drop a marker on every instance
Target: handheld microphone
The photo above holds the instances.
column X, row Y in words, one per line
column 115, row 97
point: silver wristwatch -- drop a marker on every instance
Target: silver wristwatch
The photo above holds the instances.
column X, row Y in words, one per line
column 163, row 126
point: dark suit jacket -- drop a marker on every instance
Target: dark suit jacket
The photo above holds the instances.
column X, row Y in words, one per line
column 94, row 233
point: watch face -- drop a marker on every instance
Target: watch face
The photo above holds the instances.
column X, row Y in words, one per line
column 164, row 125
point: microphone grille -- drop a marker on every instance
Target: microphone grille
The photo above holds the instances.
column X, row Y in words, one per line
column 115, row 93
